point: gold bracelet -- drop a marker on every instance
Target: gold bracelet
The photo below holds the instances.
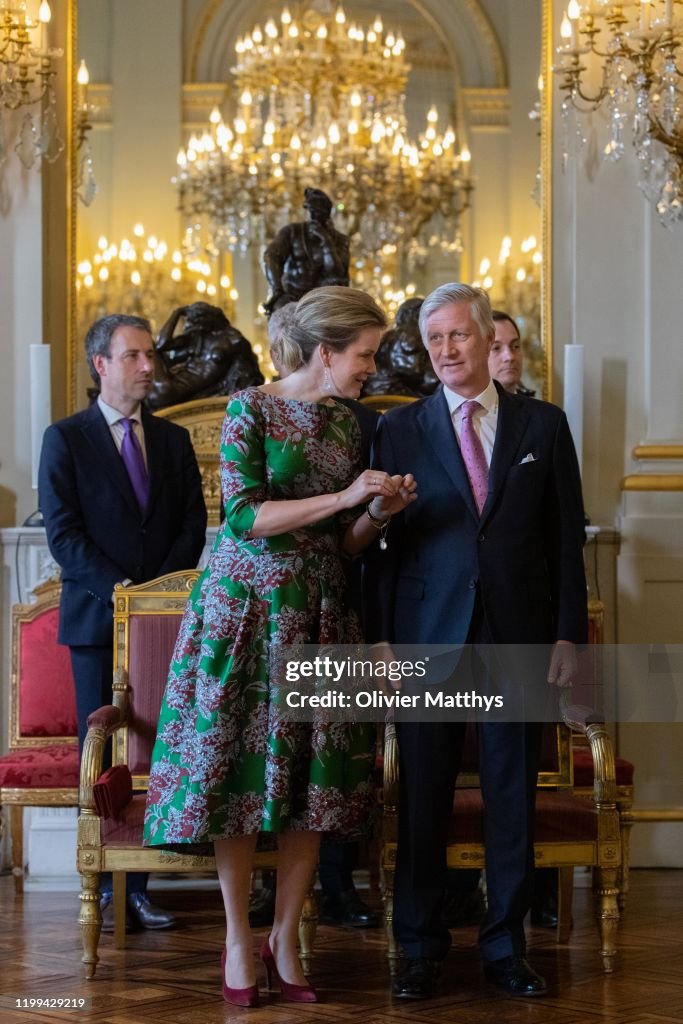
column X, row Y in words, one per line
column 377, row 523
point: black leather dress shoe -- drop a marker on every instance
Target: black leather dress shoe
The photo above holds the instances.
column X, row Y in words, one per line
column 107, row 908
column 543, row 917
column 348, row 909
column 515, row 976
column 146, row 915
column 417, row 979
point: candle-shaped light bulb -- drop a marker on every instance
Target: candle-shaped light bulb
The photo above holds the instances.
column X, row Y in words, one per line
column 539, row 84
column 340, row 16
column 432, row 115
column 566, row 28
column 285, row 17
column 44, row 12
column 215, row 116
column 465, row 155
column 573, row 10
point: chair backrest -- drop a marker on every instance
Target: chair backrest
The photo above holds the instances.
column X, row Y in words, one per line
column 146, row 623
column 382, row 403
column 42, row 692
column 203, row 418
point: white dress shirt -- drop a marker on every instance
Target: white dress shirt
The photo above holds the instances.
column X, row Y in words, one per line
column 116, row 427
column 485, row 420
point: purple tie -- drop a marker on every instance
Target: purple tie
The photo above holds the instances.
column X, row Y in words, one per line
column 473, row 456
column 134, row 461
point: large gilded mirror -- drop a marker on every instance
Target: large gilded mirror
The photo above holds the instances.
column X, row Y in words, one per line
column 160, row 73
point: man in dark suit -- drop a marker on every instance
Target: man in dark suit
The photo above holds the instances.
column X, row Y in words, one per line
column 489, row 553
column 121, row 497
column 506, row 356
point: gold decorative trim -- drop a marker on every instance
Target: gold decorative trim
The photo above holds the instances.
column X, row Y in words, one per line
column 547, row 197
column 653, row 482
column 45, row 797
column 489, row 107
column 658, row 451
column 71, row 201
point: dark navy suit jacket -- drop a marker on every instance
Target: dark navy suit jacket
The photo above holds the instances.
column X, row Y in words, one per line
column 95, row 529
column 523, row 554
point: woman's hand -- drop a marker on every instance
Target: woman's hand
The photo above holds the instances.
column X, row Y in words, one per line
column 405, row 491
column 372, row 484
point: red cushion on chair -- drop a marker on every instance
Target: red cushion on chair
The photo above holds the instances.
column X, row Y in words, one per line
column 152, row 639
column 583, row 769
column 54, row 767
column 47, row 697
column 559, row 816
column 128, row 827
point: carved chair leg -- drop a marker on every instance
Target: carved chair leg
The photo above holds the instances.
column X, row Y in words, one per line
column 393, row 954
column 17, row 830
column 565, row 893
column 90, row 920
column 308, row 924
column 606, row 893
column 119, row 901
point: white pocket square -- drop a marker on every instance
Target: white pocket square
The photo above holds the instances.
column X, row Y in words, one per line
column 528, row 458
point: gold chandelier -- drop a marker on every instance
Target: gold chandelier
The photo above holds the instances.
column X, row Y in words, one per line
column 321, row 103
column 27, row 72
column 626, row 60
column 141, row 275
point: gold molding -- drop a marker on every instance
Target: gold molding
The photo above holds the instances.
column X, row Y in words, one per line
column 547, row 196
column 71, row 200
column 658, row 451
column 653, row 482
column 490, row 107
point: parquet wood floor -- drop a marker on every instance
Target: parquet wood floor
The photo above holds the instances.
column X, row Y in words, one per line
column 173, row 977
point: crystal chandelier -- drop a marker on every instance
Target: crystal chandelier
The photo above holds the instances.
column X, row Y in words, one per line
column 624, row 59
column 144, row 277
column 27, row 72
column 515, row 287
column 321, row 103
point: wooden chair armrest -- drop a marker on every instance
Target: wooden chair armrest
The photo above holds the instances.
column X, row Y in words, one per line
column 102, row 724
column 591, row 724
column 390, row 756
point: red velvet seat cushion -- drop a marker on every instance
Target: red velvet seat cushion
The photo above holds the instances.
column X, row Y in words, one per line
column 34, row 767
column 47, row 696
column 559, row 817
column 583, row 769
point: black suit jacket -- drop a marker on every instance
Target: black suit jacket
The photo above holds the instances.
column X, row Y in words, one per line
column 524, row 553
column 95, row 529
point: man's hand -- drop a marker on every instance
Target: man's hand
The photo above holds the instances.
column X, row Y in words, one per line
column 563, row 665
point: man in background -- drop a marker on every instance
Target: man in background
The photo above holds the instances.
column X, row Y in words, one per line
column 121, row 497
column 506, row 357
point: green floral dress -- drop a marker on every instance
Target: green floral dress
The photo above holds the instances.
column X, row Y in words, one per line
column 227, row 762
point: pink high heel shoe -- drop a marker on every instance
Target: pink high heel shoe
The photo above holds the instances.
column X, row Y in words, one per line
column 294, row 993
column 238, row 996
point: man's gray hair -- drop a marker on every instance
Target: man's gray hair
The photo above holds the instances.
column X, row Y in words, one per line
column 98, row 338
column 447, row 294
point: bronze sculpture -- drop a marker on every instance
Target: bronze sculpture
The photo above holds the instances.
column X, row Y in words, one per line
column 209, row 357
column 403, row 363
column 306, row 254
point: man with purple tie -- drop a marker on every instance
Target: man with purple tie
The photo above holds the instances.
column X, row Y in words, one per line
column 121, row 498
column 490, row 553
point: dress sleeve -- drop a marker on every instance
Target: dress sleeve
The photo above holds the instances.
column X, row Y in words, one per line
column 243, row 464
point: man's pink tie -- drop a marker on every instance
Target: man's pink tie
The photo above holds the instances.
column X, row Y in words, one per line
column 473, row 454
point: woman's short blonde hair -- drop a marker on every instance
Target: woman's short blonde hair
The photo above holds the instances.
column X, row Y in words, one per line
column 333, row 316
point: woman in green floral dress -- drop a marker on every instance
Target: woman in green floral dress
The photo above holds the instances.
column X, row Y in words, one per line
column 227, row 764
